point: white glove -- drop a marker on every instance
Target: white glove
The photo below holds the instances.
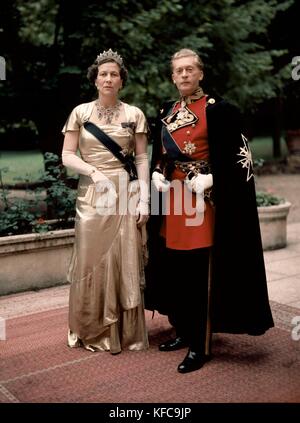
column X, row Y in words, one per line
column 107, row 187
column 142, row 209
column 103, row 184
column 199, row 183
column 72, row 161
column 160, row 182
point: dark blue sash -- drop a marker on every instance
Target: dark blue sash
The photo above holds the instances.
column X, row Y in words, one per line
column 172, row 149
column 114, row 148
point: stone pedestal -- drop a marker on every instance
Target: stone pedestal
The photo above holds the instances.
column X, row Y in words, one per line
column 273, row 223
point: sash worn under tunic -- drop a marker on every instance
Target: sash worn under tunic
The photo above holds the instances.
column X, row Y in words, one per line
column 179, row 234
column 106, row 270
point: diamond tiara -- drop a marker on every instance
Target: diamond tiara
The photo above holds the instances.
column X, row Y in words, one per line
column 109, row 54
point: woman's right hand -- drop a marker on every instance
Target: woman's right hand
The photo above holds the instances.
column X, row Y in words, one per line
column 105, row 185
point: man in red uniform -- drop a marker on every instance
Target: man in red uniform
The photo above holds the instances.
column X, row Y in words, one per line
column 209, row 233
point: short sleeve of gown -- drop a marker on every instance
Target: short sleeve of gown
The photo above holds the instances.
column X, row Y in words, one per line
column 74, row 121
column 141, row 122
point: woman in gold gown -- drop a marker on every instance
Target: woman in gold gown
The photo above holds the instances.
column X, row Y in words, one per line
column 106, row 310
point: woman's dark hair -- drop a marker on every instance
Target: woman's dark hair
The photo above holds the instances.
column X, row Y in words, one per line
column 93, row 70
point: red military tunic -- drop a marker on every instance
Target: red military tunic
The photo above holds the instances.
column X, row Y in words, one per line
column 184, row 231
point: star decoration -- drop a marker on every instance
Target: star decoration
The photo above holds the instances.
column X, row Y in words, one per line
column 246, row 160
column 189, row 148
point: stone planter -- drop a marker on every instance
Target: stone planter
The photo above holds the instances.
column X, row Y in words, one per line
column 273, row 222
column 34, row 261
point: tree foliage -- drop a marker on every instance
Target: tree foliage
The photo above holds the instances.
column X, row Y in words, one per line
column 48, row 45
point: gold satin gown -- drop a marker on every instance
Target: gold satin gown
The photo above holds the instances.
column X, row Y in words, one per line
column 106, row 272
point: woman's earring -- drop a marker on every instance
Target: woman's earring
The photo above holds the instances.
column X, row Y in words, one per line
column 174, row 82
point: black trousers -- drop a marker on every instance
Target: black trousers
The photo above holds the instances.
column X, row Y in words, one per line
column 187, row 287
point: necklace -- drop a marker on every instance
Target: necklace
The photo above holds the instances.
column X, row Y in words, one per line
column 108, row 113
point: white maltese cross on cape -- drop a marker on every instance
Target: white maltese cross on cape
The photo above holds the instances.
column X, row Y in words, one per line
column 246, row 160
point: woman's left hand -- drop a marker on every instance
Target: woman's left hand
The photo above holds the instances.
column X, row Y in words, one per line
column 142, row 213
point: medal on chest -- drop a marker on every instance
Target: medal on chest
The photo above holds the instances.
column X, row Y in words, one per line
column 180, row 118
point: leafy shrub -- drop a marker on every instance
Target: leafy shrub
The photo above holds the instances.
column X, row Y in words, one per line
column 30, row 214
column 264, row 199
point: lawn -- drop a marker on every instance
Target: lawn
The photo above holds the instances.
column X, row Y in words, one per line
column 28, row 166
column 21, row 166
column 262, row 148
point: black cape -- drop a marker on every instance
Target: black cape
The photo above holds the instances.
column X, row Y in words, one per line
column 239, row 297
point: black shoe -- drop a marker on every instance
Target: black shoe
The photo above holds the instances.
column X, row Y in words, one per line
column 192, row 361
column 173, row 344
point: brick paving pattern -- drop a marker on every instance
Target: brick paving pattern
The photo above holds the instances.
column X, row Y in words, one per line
column 38, row 367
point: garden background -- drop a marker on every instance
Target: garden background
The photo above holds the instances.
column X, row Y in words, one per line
column 49, row 44
column 248, row 48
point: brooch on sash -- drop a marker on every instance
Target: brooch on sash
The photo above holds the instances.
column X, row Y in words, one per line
column 182, row 117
